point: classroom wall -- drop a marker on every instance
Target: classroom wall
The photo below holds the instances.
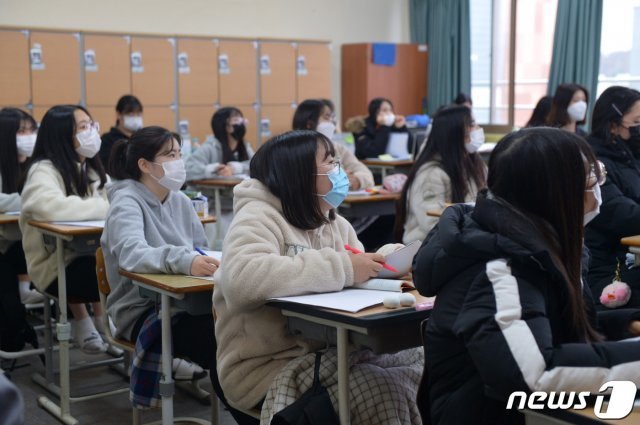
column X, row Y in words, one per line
column 340, row 21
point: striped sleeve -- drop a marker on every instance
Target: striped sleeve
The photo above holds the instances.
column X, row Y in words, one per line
column 508, row 335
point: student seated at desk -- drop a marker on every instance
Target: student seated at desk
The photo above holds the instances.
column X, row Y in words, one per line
column 381, row 123
column 511, row 312
column 228, row 154
column 18, row 131
column 448, row 170
column 17, row 138
column 316, row 115
column 128, row 120
column 65, row 181
column 151, row 227
column 615, row 138
column 569, row 108
column 286, row 239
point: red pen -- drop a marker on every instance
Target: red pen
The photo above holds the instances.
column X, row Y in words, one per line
column 357, row 251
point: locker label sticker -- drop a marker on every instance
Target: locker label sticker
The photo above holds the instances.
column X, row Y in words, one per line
column 265, row 65
column 223, row 64
column 136, row 62
column 183, row 63
column 301, row 66
column 265, row 127
column 90, row 64
column 35, row 55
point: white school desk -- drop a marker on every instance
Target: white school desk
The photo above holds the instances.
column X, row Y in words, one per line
column 388, row 165
column 169, row 287
column 378, row 328
column 576, row 417
column 84, row 240
column 217, row 185
column 369, row 205
column 633, row 242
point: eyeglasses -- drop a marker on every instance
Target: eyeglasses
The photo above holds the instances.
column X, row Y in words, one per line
column 593, row 176
column 334, row 165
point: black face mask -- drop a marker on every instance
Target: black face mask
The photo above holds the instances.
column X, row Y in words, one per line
column 634, row 139
column 239, row 130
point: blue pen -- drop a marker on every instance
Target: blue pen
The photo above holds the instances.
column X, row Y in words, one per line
column 201, row 252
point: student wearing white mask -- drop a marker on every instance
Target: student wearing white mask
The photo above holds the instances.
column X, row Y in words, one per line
column 615, row 139
column 448, row 170
column 372, row 141
column 128, row 120
column 569, row 108
column 17, row 135
column 314, row 114
column 65, row 180
column 151, row 227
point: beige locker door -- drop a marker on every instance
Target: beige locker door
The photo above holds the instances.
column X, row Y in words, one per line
column 237, row 67
column 198, row 119
column 274, row 120
column 106, row 69
column 39, row 111
column 197, row 71
column 277, row 73
column 152, row 70
column 15, row 85
column 313, row 69
column 55, row 68
column 164, row 116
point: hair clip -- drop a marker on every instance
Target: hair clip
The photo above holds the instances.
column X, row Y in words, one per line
column 616, row 108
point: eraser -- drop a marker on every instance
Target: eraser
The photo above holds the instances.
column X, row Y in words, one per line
column 424, row 306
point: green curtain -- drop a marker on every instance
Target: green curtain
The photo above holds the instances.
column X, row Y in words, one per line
column 444, row 25
column 576, row 45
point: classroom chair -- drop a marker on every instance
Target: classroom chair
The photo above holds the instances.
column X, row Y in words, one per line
column 129, row 347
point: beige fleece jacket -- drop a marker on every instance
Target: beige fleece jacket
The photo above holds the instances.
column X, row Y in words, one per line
column 264, row 256
column 351, row 164
column 431, row 190
column 44, row 199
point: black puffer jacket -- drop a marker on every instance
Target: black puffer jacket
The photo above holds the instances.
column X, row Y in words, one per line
column 619, row 217
column 108, row 140
column 373, row 139
column 500, row 322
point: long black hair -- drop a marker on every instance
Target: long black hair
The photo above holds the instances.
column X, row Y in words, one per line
column 55, row 143
column 558, row 115
column 307, row 115
column 145, row 143
column 612, row 104
column 286, row 164
column 128, row 104
column 542, row 173
column 374, row 108
column 11, row 170
column 219, row 127
column 540, row 112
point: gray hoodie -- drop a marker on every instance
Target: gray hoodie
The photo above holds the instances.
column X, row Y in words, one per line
column 203, row 163
column 143, row 235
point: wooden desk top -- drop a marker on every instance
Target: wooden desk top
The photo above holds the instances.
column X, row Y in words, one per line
column 371, row 317
column 208, row 219
column 66, row 230
column 391, row 163
column 378, row 197
column 9, row 218
column 435, row 213
column 217, row 182
column 179, row 284
column 631, row 241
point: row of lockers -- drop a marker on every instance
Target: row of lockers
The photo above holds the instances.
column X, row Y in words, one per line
column 178, row 79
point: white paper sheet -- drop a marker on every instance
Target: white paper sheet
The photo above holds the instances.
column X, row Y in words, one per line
column 401, row 260
column 87, row 223
column 351, row 300
column 397, row 145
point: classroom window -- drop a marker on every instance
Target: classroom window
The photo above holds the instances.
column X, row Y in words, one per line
column 620, row 45
column 505, row 88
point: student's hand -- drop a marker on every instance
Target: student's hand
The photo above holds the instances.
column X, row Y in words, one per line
column 634, row 328
column 204, row 266
column 225, row 171
column 365, row 266
column 354, row 183
column 400, row 121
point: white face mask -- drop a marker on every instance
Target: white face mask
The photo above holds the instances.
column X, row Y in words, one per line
column 476, row 139
column 25, row 144
column 132, row 123
column 577, row 110
column 89, row 142
column 326, row 128
column 174, row 174
column 592, row 214
column 388, row 119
